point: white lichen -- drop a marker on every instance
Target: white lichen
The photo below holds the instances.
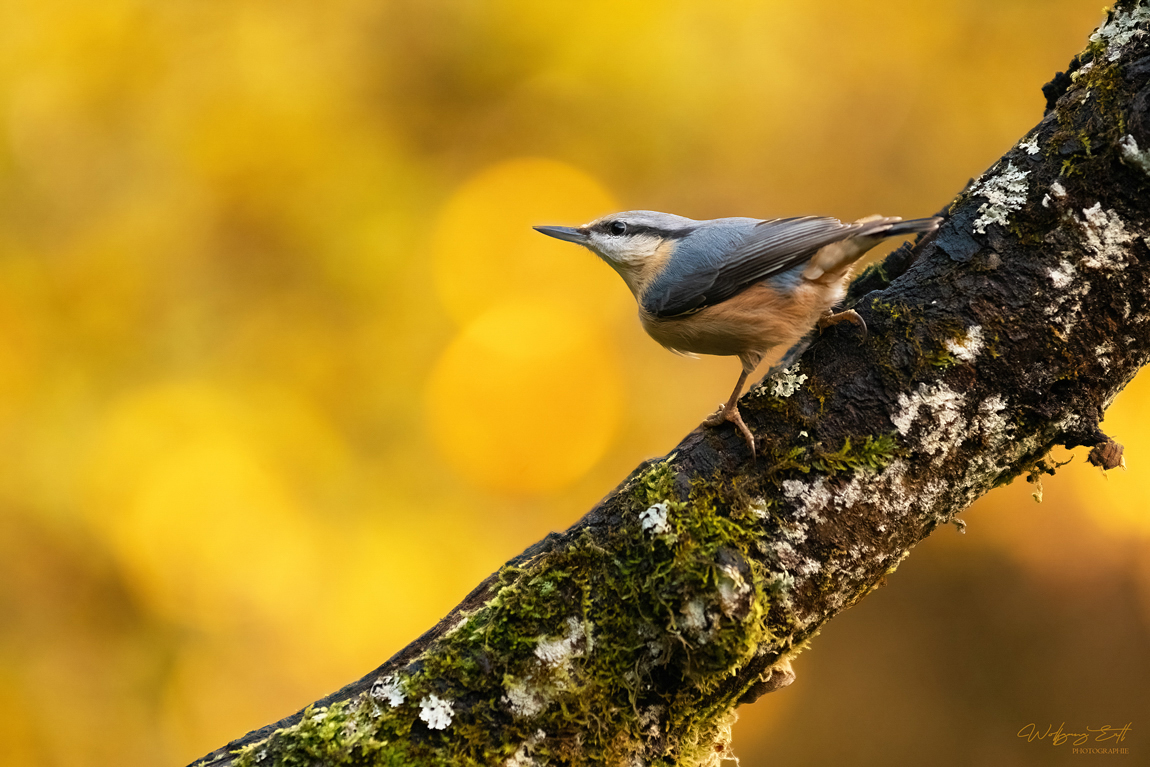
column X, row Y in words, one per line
column 558, row 652
column 654, row 519
column 523, row 756
column 783, row 586
column 1004, row 193
column 942, row 406
column 1057, row 191
column 387, row 688
column 788, row 382
column 694, row 615
column 524, row 698
column 436, row 712
column 733, row 589
column 758, row 507
column 991, row 424
column 1066, row 307
column 1120, row 30
column 649, row 720
column 1131, row 155
column 1103, row 352
column 809, row 567
column 1106, row 239
column 967, row 347
column 1063, row 275
column 1030, row 145
column 813, row 497
column 554, row 672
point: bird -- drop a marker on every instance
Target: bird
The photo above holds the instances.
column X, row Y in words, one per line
column 744, row 287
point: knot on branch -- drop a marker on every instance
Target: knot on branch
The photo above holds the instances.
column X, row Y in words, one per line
column 1107, row 455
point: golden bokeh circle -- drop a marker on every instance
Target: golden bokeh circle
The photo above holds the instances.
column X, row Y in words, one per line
column 525, row 399
column 485, row 250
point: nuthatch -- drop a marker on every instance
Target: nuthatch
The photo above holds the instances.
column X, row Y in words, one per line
column 745, row 287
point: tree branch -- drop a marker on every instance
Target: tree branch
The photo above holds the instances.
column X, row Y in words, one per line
column 631, row 637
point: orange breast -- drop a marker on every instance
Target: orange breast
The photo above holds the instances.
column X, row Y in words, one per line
column 750, row 325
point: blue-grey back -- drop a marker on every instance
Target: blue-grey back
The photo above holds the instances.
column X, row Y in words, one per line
column 722, row 257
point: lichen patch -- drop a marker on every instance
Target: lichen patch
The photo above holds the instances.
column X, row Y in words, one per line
column 1063, row 275
column 523, row 756
column 785, row 384
column 1004, row 193
column 654, row 519
column 1106, row 239
column 733, row 590
column 436, row 712
column 1066, row 307
column 1132, row 155
column 1120, row 30
column 993, row 427
column 525, row 699
column 694, row 615
column 942, row 407
column 967, row 347
column 560, row 651
column 812, row 497
column 387, row 689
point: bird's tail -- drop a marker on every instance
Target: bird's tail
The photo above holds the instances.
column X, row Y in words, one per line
column 860, row 237
column 900, row 228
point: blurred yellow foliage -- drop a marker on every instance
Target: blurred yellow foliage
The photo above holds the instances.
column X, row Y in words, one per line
column 191, row 486
column 525, row 400
column 284, row 370
column 486, row 252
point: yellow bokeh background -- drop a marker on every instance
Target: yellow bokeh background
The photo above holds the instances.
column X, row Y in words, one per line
column 284, row 371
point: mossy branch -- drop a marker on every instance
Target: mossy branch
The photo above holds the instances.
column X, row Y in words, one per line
column 631, row 637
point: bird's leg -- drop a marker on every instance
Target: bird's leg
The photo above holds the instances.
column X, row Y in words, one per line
column 850, row 315
column 730, row 412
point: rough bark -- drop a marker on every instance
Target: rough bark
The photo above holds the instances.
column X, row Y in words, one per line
column 631, row 637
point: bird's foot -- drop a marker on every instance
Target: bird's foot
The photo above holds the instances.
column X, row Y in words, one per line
column 850, row 315
column 730, row 412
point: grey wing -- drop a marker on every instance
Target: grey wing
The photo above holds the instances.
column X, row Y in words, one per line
column 693, row 282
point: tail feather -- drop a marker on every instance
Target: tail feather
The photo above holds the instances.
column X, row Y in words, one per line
column 833, row 258
column 913, row 226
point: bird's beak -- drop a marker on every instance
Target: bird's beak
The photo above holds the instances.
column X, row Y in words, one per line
column 568, row 233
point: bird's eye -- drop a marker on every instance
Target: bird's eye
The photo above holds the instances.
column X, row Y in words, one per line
column 618, row 227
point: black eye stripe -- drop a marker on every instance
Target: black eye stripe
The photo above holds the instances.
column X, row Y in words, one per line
column 605, row 227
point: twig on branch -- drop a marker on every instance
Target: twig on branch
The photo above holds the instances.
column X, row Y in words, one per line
column 631, row 637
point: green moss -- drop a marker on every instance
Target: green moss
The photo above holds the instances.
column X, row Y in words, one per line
column 342, row 734
column 1095, row 118
column 913, row 327
column 869, row 454
column 940, row 357
column 636, row 608
column 873, row 269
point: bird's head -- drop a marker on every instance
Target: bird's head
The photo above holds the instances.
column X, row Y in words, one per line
column 636, row 243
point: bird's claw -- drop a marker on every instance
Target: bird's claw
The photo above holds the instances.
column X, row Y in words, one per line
column 850, row 315
column 731, row 413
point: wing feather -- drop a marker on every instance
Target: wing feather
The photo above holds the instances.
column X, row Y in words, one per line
column 697, row 280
